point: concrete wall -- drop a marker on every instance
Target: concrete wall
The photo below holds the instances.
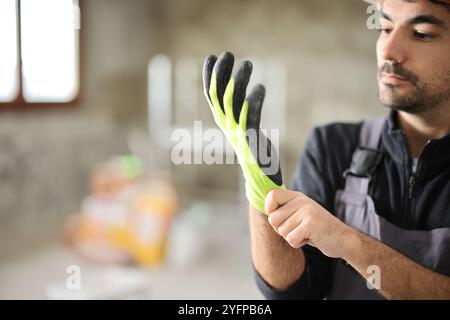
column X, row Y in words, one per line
column 47, row 155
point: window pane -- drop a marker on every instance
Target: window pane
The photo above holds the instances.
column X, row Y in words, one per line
column 8, row 51
column 49, row 51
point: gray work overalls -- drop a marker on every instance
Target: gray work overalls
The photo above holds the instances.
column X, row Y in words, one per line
column 356, row 208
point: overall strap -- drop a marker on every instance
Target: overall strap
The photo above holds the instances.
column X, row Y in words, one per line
column 370, row 133
column 365, row 158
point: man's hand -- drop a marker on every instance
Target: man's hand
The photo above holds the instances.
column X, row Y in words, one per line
column 300, row 220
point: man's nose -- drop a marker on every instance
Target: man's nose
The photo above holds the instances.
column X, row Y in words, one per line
column 393, row 47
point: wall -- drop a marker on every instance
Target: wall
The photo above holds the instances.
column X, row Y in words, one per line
column 47, row 155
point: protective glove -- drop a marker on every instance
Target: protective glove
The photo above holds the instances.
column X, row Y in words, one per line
column 239, row 117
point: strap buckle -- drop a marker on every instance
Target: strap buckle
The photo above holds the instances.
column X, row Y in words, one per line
column 364, row 162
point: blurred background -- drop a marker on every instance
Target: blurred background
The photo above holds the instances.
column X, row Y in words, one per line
column 91, row 204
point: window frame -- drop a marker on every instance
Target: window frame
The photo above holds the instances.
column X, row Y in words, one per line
column 19, row 103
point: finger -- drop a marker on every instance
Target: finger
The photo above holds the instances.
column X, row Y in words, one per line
column 255, row 102
column 298, row 237
column 303, row 243
column 277, row 198
column 208, row 67
column 289, row 224
column 241, row 80
column 283, row 213
column 222, row 70
column 266, row 155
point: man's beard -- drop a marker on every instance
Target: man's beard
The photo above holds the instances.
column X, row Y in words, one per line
column 420, row 98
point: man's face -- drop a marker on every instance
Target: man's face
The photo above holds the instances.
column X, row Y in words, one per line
column 413, row 53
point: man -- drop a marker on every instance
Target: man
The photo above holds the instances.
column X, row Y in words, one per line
column 369, row 201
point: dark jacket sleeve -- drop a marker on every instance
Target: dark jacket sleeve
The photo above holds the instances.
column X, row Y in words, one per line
column 318, row 177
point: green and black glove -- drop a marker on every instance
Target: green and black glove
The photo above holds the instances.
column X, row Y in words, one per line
column 238, row 116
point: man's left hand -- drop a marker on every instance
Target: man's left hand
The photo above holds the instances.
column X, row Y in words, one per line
column 300, row 220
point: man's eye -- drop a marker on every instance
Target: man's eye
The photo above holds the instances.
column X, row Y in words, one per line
column 385, row 30
column 423, row 36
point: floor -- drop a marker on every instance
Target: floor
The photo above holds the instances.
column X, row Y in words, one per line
column 221, row 271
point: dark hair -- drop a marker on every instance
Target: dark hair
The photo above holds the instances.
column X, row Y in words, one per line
column 442, row 3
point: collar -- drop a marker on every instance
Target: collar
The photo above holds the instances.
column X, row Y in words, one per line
column 434, row 158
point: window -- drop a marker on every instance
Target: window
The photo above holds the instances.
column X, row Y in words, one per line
column 8, row 55
column 39, row 59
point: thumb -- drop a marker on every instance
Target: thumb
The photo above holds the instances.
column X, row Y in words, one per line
column 277, row 198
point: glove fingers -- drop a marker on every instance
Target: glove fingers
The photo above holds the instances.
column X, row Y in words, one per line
column 241, row 80
column 255, row 102
column 208, row 67
column 261, row 147
column 268, row 159
column 223, row 69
